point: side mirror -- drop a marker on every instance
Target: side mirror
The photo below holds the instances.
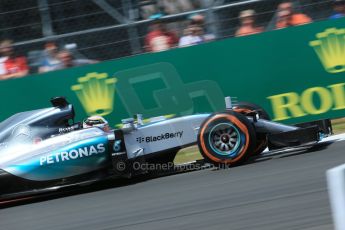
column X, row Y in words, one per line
column 60, row 102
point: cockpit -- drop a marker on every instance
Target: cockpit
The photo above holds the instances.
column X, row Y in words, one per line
column 38, row 124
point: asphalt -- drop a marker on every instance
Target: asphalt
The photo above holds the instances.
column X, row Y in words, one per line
column 287, row 191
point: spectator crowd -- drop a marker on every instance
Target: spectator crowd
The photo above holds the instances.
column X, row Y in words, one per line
column 51, row 58
column 159, row 38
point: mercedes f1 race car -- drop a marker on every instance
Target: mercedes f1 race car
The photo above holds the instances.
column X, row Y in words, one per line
column 45, row 150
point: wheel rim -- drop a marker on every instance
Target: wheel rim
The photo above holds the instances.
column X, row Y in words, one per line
column 225, row 139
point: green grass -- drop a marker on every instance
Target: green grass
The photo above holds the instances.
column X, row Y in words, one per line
column 338, row 126
column 192, row 153
column 187, row 155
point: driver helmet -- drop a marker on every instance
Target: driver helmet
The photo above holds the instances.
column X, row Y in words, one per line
column 96, row 121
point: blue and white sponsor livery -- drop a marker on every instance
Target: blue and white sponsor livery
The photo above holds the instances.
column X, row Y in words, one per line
column 46, row 150
column 64, row 156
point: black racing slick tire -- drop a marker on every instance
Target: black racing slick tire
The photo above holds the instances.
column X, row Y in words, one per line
column 261, row 141
column 226, row 138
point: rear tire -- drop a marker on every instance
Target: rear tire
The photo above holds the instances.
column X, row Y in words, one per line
column 226, row 138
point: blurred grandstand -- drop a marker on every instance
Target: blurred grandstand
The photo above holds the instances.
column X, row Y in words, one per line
column 109, row 29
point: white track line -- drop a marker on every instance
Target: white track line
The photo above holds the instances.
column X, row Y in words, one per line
column 339, row 137
column 335, row 138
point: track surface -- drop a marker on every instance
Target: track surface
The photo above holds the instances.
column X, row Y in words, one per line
column 283, row 192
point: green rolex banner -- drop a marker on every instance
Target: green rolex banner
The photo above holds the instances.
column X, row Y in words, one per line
column 296, row 74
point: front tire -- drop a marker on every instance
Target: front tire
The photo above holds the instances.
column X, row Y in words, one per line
column 261, row 141
column 226, row 138
column 246, row 107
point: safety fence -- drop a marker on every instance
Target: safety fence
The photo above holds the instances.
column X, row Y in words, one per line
column 108, row 29
column 296, row 74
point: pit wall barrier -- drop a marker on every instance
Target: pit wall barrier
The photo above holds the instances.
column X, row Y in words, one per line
column 296, row 74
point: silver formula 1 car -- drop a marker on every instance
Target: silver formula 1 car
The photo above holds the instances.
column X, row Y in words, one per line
column 44, row 150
